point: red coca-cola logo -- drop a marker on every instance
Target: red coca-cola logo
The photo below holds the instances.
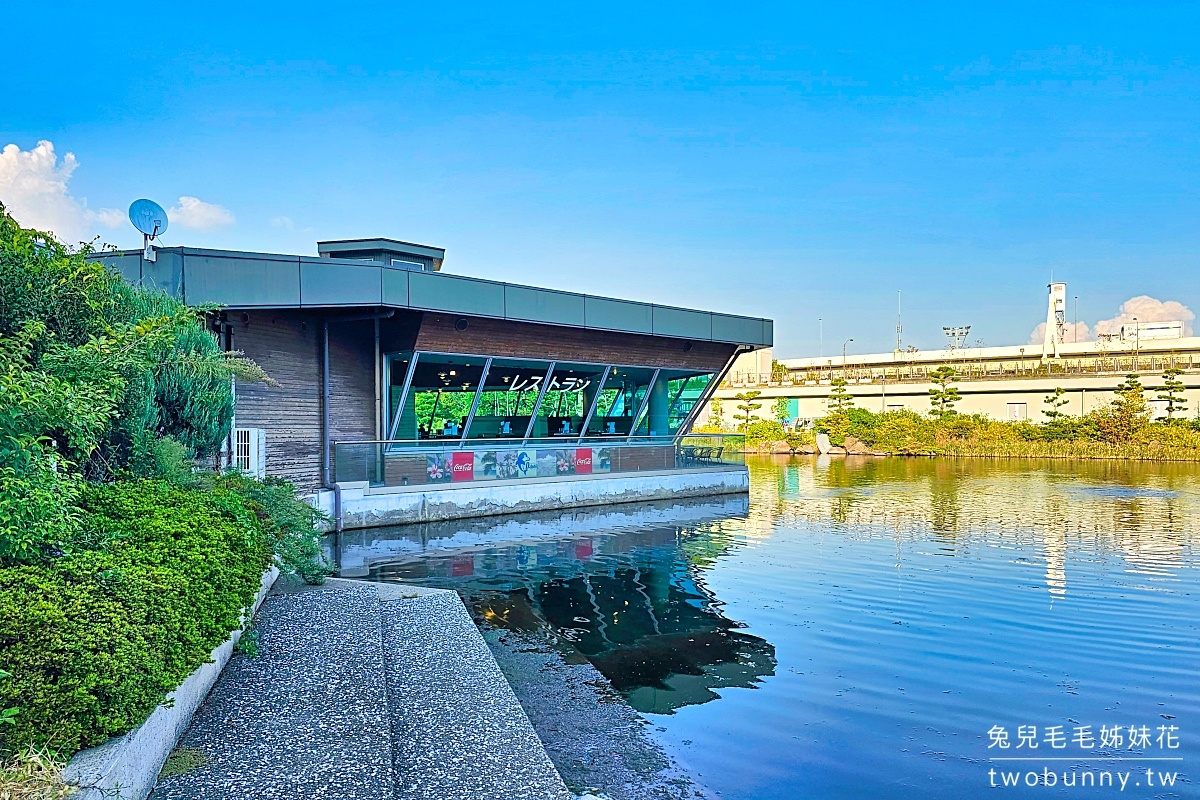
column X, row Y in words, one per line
column 462, row 466
column 583, row 461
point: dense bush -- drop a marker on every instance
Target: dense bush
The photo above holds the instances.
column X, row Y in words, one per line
column 93, row 372
column 1107, row 432
column 95, row 638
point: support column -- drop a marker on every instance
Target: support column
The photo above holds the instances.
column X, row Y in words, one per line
column 656, row 415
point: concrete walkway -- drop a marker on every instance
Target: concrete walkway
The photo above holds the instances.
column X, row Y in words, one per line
column 363, row 691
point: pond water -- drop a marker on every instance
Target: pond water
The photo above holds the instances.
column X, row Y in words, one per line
column 888, row 628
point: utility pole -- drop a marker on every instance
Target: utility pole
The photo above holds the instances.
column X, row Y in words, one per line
column 821, row 327
column 899, row 327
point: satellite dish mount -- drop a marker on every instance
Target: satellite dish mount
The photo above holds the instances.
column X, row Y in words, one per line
column 149, row 218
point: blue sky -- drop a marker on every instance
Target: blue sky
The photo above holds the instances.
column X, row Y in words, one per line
column 788, row 161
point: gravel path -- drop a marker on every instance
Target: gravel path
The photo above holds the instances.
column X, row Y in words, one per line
column 363, row 691
column 306, row 717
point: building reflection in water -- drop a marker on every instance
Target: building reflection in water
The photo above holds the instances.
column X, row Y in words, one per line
column 630, row 597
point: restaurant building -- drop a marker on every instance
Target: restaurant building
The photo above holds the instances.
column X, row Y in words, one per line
column 393, row 379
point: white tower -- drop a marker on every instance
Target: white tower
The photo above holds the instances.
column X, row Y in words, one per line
column 1056, row 320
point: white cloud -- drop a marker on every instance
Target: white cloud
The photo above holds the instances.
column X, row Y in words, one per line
column 33, row 186
column 1146, row 309
column 1143, row 308
column 283, row 222
column 194, row 213
column 1072, row 332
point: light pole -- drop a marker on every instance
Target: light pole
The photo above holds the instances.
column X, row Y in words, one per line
column 821, row 328
column 848, row 341
column 1076, row 318
column 1137, row 343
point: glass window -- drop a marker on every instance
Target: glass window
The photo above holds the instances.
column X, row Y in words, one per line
column 442, row 392
column 619, row 401
column 406, row 427
column 510, row 392
column 569, row 394
column 683, row 390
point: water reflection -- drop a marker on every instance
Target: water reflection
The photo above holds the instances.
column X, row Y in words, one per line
column 1137, row 509
column 886, row 613
column 629, row 594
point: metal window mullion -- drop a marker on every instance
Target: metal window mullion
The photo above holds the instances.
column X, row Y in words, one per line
column 674, row 402
column 487, row 365
column 641, row 408
column 538, row 404
column 707, row 394
column 587, row 420
column 408, row 377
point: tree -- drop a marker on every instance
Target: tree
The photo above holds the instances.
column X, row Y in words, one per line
column 839, row 399
column 780, row 408
column 716, row 417
column 747, row 407
column 943, row 396
column 1173, row 392
column 1128, row 413
column 1054, row 402
column 778, row 371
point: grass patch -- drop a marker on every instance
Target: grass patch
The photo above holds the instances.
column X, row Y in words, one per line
column 33, row 774
column 182, row 760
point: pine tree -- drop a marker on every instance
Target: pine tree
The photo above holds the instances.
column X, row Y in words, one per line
column 839, row 399
column 943, row 396
column 1173, row 392
column 1128, row 413
column 1054, row 402
column 747, row 407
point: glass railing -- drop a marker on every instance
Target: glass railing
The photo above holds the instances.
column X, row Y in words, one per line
column 430, row 461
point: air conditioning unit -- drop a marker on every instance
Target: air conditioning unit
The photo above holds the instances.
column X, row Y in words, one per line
column 250, row 451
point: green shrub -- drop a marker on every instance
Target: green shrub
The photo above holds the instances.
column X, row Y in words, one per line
column 96, row 638
column 293, row 523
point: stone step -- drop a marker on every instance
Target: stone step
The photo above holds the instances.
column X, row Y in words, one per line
column 363, row 691
column 459, row 730
column 305, row 717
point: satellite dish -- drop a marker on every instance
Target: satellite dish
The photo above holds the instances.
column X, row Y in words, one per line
column 148, row 217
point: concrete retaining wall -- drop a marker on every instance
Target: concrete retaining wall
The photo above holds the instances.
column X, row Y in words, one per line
column 366, row 507
column 127, row 767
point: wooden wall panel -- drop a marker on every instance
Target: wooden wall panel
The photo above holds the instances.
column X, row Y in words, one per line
column 287, row 345
column 494, row 337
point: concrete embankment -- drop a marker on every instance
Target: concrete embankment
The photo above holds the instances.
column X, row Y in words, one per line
column 365, row 506
column 363, row 691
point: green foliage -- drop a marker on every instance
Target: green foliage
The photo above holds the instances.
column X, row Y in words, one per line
column 96, row 638
column 1173, row 392
column 716, row 417
column 1127, row 416
column 1054, row 402
column 780, row 409
column 746, row 408
column 247, row 645
column 943, row 396
column 292, row 522
column 839, row 398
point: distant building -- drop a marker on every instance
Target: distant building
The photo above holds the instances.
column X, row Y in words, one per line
column 1000, row 382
